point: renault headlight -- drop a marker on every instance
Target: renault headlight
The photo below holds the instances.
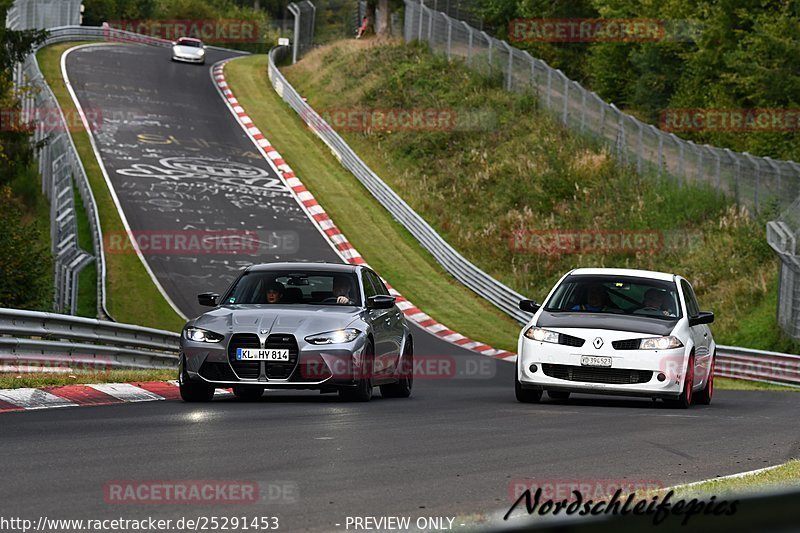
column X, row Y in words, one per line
column 660, row 343
column 339, row 336
column 201, row 335
column 541, row 335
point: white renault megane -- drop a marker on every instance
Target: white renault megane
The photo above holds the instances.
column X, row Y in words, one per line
column 617, row 331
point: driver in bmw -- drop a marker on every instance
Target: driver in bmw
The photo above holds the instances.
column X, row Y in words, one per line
column 343, row 290
column 274, row 292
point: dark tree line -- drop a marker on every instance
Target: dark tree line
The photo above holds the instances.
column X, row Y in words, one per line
column 24, row 257
column 744, row 54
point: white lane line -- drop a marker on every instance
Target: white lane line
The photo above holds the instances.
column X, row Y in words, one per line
column 34, row 399
column 732, row 476
column 126, row 392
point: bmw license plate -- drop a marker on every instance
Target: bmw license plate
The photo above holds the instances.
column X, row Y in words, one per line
column 247, row 354
column 593, row 360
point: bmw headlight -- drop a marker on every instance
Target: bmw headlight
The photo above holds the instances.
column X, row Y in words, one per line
column 334, row 337
column 542, row 335
column 201, row 335
column 660, row 343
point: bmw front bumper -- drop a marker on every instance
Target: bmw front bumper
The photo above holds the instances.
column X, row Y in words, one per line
column 310, row 366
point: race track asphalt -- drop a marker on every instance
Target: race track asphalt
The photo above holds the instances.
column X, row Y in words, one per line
column 177, row 160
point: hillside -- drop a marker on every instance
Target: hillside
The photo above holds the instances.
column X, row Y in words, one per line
column 495, row 167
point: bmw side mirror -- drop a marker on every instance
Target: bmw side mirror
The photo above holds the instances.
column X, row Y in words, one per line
column 380, row 301
column 703, row 317
column 208, row 299
column 529, row 306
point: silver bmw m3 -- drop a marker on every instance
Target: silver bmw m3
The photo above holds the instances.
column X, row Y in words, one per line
column 328, row 327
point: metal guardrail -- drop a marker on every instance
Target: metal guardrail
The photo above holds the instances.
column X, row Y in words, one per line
column 39, row 340
column 503, row 297
column 757, row 365
column 48, row 340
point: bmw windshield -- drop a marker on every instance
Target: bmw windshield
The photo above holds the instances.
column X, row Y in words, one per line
column 294, row 288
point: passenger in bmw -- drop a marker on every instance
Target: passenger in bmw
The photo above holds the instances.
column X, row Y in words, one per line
column 275, row 292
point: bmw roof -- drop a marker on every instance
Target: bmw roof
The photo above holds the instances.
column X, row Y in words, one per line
column 302, row 265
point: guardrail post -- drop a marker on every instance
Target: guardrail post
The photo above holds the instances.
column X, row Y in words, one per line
column 717, row 169
column 533, row 71
column 640, row 148
column 488, row 40
column 295, row 11
column 758, row 177
column 430, row 27
column 469, row 46
column 421, row 13
column 583, row 109
column 510, row 67
column 549, row 85
column 449, row 36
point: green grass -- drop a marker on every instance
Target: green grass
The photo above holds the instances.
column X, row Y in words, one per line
column 520, row 170
column 18, row 381
column 388, row 247
column 740, row 384
column 126, row 275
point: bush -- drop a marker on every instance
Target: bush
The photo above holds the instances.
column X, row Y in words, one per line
column 25, row 262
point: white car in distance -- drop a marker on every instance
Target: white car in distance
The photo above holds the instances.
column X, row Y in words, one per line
column 620, row 332
column 189, row 50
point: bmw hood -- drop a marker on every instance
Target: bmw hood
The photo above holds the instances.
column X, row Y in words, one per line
column 298, row 320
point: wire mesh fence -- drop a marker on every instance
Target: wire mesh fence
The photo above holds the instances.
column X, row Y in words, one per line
column 758, row 182
column 462, row 10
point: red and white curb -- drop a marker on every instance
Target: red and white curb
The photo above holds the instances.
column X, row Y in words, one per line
column 331, row 232
column 30, row 399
